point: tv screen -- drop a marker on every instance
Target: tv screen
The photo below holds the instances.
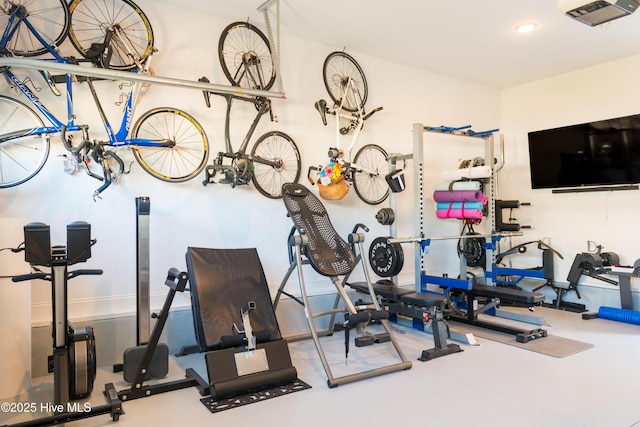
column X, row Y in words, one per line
column 605, row 152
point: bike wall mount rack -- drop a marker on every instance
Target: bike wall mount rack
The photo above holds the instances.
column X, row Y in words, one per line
column 43, row 65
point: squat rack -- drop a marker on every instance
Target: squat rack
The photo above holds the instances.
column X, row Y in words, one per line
column 419, row 192
column 421, row 242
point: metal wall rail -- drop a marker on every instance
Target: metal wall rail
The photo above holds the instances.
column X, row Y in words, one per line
column 47, row 65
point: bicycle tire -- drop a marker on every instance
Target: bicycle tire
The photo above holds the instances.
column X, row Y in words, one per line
column 370, row 184
column 280, row 147
column 181, row 162
column 89, row 20
column 50, row 18
column 22, row 153
column 245, row 57
column 338, row 67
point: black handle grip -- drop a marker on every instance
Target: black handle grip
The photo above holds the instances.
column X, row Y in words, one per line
column 83, row 272
column 30, row 276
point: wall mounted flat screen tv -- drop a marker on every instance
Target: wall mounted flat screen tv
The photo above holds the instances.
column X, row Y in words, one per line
column 601, row 153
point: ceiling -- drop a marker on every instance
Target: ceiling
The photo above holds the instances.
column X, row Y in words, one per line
column 469, row 39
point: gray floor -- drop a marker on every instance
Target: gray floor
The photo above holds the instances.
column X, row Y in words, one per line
column 489, row 384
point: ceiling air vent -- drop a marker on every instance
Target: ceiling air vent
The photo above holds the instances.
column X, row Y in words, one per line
column 597, row 12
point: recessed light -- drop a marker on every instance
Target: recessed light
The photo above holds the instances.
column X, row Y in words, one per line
column 526, row 28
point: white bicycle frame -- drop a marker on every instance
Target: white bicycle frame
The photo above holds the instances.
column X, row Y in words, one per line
column 356, row 120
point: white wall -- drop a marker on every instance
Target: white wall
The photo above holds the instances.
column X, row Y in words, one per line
column 189, row 214
column 601, row 92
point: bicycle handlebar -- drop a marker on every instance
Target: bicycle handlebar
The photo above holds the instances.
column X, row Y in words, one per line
column 375, row 110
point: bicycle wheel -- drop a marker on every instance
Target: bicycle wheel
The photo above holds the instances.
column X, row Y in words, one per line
column 22, row 154
column 50, row 19
column 92, row 19
column 275, row 147
column 338, row 68
column 245, row 57
column 188, row 152
column 369, row 181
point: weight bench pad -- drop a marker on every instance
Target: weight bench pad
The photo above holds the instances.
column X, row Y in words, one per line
column 389, row 292
column 507, row 294
column 423, row 299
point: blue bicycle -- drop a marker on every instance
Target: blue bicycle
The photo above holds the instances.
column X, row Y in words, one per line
column 168, row 143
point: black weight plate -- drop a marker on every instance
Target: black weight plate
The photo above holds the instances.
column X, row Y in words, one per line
column 386, row 216
column 473, row 250
column 386, row 259
column 400, row 258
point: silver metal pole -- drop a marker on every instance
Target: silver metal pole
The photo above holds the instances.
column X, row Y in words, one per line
column 39, row 64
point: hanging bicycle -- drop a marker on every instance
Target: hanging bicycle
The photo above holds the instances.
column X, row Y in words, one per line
column 168, row 143
column 245, row 56
column 347, row 86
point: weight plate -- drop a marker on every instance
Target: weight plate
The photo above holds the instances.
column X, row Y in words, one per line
column 610, row 258
column 473, row 250
column 386, row 259
column 386, row 216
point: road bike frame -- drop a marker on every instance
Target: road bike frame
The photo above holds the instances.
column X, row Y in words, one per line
column 263, row 106
column 115, row 139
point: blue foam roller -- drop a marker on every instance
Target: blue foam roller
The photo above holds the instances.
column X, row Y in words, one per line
column 620, row 315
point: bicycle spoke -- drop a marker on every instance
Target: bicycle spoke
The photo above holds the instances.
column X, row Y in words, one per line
column 92, row 19
column 186, row 151
column 50, row 18
column 279, row 148
column 339, row 71
column 22, row 154
column 370, row 183
column 245, row 57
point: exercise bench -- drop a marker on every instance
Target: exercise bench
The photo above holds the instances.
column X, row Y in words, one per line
column 422, row 307
column 482, row 299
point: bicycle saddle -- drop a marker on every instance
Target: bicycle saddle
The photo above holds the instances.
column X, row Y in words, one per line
column 321, row 106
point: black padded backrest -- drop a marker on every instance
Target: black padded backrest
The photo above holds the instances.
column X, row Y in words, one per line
column 328, row 253
column 222, row 282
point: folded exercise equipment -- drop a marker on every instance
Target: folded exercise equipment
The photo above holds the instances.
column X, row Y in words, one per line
column 314, row 241
column 151, row 360
column 236, row 326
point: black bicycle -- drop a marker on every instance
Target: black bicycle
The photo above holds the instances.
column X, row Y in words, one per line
column 247, row 62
